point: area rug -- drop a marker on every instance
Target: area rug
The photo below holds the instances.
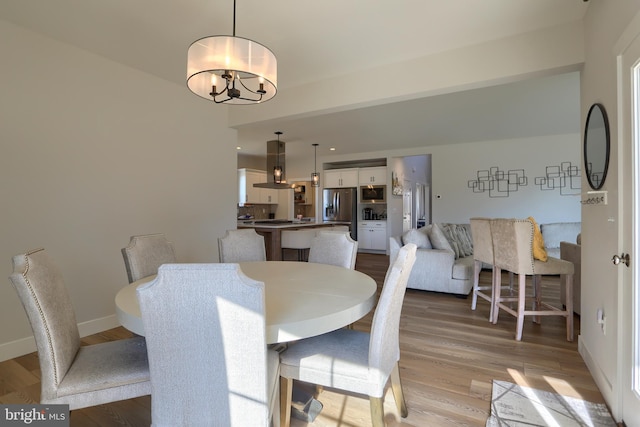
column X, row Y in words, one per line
column 516, row 406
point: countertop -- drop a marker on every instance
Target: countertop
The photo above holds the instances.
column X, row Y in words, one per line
column 280, row 223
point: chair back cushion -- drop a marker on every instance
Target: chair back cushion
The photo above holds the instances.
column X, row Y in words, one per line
column 384, row 344
column 482, row 241
column 241, row 245
column 513, row 245
column 334, row 248
column 45, row 298
column 205, row 332
column 145, row 253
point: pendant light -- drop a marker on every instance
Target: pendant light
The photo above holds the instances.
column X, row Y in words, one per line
column 315, row 178
column 277, row 169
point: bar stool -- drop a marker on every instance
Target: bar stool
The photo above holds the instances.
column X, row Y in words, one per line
column 297, row 239
column 513, row 252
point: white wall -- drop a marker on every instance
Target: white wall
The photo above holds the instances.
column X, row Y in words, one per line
column 455, row 165
column 92, row 153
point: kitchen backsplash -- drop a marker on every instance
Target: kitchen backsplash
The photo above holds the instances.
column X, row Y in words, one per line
column 256, row 211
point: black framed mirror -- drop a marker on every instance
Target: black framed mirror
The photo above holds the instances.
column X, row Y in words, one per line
column 596, row 146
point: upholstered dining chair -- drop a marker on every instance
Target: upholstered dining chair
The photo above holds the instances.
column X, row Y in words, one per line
column 71, row 374
column 241, row 245
column 355, row 361
column 513, row 247
column 145, row 253
column 334, row 248
column 206, row 339
column 300, row 240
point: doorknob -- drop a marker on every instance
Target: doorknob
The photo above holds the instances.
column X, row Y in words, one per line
column 624, row 258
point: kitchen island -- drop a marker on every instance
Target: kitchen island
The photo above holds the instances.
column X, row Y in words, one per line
column 271, row 229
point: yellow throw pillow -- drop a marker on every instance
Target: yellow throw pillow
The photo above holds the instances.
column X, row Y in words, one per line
column 539, row 252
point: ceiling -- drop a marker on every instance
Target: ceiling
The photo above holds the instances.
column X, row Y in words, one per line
column 317, row 40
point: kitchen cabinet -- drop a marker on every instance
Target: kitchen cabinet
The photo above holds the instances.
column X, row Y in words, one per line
column 267, row 195
column 248, row 194
column 372, row 235
column 341, row 178
column 373, row 176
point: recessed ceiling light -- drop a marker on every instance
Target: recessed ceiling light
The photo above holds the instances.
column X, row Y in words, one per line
column 238, row 148
column 332, row 149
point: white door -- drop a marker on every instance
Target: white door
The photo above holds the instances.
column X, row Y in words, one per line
column 407, row 200
column 629, row 110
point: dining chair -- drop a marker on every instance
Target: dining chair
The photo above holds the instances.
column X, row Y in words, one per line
column 145, row 253
column 334, row 248
column 299, row 240
column 208, row 356
column 514, row 252
column 79, row 376
column 355, row 361
column 241, row 245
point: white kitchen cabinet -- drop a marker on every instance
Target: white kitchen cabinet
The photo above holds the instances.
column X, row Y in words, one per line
column 268, row 195
column 373, row 176
column 340, row 178
column 249, row 194
column 372, row 235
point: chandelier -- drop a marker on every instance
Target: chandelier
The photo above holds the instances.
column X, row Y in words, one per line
column 232, row 70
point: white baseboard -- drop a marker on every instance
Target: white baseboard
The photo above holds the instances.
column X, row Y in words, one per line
column 20, row 347
column 604, row 385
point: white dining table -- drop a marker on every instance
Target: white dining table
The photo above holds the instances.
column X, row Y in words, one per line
column 302, row 299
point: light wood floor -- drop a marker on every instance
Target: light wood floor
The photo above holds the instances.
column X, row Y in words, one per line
column 449, row 356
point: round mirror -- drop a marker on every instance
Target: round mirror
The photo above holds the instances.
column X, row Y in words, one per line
column 596, row 146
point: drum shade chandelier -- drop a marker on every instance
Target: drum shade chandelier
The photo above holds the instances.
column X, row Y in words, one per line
column 232, row 70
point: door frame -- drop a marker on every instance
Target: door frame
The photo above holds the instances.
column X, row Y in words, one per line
column 628, row 343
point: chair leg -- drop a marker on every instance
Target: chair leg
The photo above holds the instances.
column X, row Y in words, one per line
column 476, row 283
column 497, row 287
column 537, row 295
column 569, row 305
column 377, row 411
column 286, row 392
column 522, row 286
column 398, row 393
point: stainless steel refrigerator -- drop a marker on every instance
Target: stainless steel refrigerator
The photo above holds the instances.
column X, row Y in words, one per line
column 339, row 204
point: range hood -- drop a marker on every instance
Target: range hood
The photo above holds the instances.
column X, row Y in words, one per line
column 275, row 157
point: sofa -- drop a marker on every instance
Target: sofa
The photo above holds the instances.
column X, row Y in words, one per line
column 555, row 232
column 444, row 259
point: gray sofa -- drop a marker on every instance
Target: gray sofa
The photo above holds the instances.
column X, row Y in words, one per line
column 444, row 259
column 443, row 263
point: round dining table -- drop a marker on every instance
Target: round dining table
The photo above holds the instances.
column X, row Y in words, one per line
column 303, row 299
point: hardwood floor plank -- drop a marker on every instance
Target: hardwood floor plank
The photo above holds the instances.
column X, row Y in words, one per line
column 449, row 357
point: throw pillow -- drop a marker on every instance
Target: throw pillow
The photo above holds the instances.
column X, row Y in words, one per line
column 449, row 232
column 418, row 237
column 539, row 252
column 464, row 240
column 438, row 239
